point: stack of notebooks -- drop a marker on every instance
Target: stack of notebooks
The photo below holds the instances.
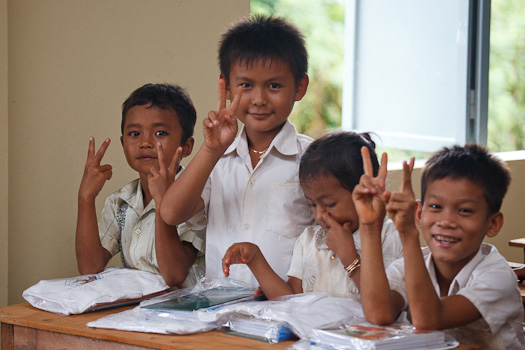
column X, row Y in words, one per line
column 378, row 338
column 208, row 298
column 263, row 330
column 212, row 299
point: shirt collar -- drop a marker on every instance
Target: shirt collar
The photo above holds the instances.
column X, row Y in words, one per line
column 285, row 142
column 461, row 278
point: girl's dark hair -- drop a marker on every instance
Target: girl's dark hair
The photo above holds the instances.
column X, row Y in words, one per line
column 473, row 163
column 164, row 96
column 265, row 39
column 338, row 154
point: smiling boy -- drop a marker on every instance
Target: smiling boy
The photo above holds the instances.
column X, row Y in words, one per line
column 248, row 186
column 456, row 283
column 157, row 128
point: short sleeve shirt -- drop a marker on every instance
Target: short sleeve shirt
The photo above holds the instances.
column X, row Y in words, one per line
column 265, row 206
column 489, row 283
column 320, row 270
column 127, row 227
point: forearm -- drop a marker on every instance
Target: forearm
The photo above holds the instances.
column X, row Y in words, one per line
column 91, row 256
column 173, row 256
column 272, row 285
column 348, row 255
column 183, row 199
column 374, row 286
column 425, row 305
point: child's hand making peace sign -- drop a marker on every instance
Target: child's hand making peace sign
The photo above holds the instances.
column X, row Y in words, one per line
column 401, row 204
column 95, row 175
column 160, row 180
column 220, row 128
column 368, row 195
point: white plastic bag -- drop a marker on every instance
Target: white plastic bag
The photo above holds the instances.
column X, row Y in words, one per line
column 84, row 293
column 165, row 320
column 302, row 312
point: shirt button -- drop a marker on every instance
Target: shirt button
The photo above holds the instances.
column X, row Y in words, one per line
column 246, row 226
column 138, row 266
column 138, row 231
column 252, row 183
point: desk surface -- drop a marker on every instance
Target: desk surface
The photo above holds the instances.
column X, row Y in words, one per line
column 20, row 318
column 27, row 316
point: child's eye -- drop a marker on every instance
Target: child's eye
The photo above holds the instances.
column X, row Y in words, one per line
column 275, row 86
column 245, row 85
column 161, row 133
column 330, row 205
column 434, row 206
column 465, row 210
column 133, row 133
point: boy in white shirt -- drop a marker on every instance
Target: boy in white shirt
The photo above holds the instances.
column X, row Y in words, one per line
column 157, row 130
column 457, row 283
column 248, row 186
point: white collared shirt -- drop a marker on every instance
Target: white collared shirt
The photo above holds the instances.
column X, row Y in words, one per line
column 320, row 270
column 490, row 284
column 124, row 212
column 265, row 206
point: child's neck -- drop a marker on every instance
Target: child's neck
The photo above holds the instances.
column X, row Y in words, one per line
column 445, row 274
column 146, row 195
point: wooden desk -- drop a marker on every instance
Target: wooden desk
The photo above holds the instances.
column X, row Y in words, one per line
column 24, row 327
column 520, row 243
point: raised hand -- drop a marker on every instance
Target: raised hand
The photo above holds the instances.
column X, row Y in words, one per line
column 95, row 175
column 220, row 128
column 239, row 253
column 401, row 205
column 368, row 195
column 159, row 180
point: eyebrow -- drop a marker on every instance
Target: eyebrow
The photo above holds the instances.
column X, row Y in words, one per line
column 137, row 125
column 274, row 78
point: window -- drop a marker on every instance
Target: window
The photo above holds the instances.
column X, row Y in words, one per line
column 388, row 47
column 415, row 73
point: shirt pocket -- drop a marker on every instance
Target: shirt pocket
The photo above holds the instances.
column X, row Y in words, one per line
column 288, row 210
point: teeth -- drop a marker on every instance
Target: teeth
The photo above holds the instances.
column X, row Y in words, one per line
column 446, row 239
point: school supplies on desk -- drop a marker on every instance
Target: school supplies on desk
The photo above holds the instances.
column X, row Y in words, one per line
column 264, row 330
column 364, row 337
column 110, row 288
column 202, row 299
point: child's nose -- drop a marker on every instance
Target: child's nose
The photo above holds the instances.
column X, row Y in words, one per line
column 147, row 142
column 318, row 213
column 447, row 220
column 259, row 97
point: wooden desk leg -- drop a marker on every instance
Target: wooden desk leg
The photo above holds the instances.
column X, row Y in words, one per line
column 8, row 338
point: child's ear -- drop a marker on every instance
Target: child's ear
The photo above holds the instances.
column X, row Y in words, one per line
column 122, row 141
column 187, row 148
column 301, row 88
column 419, row 210
column 221, row 76
column 495, row 223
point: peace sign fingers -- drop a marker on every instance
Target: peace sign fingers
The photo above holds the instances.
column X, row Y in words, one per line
column 175, row 162
column 222, row 94
column 97, row 158
column 406, row 180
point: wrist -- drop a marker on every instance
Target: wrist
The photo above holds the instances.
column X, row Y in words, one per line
column 409, row 234
column 213, row 154
column 86, row 199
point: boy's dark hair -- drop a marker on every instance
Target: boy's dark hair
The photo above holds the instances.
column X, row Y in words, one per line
column 164, row 96
column 473, row 163
column 265, row 39
column 338, row 154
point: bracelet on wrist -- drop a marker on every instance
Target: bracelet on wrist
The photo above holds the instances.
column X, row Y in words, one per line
column 350, row 269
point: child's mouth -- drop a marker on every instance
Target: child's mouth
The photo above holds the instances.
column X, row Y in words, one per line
column 446, row 239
